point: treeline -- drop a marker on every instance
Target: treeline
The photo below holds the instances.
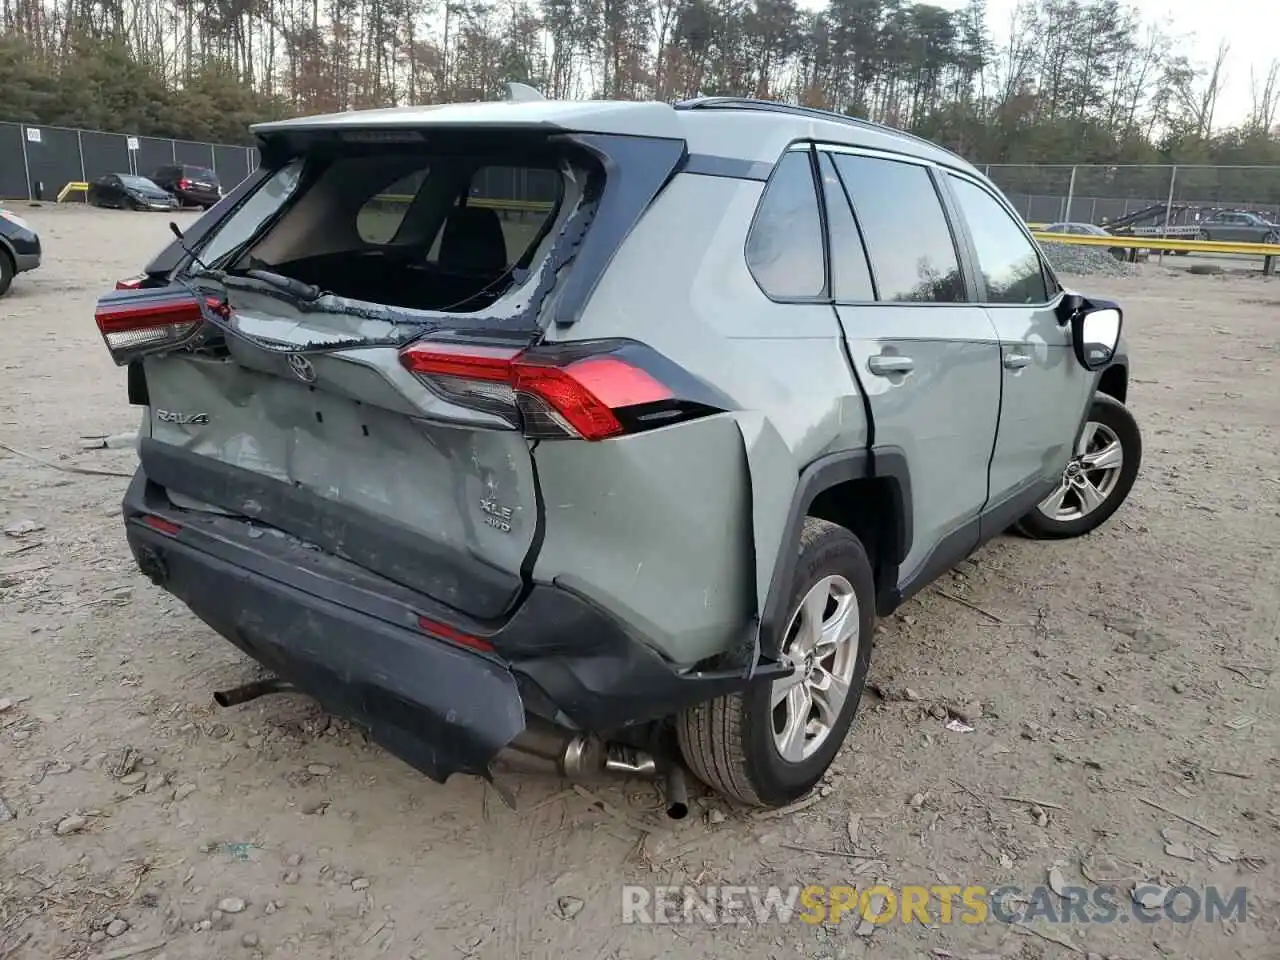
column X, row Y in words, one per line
column 1063, row 81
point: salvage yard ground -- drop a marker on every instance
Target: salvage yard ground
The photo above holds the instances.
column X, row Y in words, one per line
column 1104, row 679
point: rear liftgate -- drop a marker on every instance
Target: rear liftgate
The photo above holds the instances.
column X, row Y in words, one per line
column 268, row 429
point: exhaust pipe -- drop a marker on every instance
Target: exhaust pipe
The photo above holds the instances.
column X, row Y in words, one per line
column 251, row 691
column 677, row 792
column 578, row 756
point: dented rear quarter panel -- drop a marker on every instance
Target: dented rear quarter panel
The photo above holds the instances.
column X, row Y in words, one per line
column 703, row 504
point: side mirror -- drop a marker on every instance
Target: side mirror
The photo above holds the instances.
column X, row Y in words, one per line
column 1095, row 334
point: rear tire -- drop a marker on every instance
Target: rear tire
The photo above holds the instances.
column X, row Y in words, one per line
column 768, row 746
column 7, row 271
column 1089, row 497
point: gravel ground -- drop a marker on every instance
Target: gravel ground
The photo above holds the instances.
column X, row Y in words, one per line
column 1078, row 260
column 1104, row 679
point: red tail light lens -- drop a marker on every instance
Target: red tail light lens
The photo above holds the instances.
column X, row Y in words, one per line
column 548, row 395
column 184, row 183
column 445, row 632
column 161, row 525
column 136, row 322
column 132, row 283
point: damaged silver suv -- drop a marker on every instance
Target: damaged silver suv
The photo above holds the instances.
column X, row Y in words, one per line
column 602, row 431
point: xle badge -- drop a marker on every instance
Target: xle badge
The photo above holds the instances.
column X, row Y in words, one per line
column 496, row 515
column 302, row 368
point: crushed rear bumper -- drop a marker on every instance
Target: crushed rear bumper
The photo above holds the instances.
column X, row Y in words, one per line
column 355, row 642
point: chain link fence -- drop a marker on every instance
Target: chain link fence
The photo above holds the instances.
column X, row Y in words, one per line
column 1101, row 194
column 36, row 162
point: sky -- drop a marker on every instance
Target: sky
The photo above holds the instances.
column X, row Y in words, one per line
column 1201, row 25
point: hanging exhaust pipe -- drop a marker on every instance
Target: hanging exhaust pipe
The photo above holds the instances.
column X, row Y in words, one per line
column 251, row 691
column 677, row 792
column 578, row 756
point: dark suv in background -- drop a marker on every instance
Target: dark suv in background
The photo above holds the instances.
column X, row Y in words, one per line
column 193, row 186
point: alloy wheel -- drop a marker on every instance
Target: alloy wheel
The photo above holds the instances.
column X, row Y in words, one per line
column 822, row 643
column 1091, row 476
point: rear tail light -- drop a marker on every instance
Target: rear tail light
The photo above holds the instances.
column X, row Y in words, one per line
column 132, row 283
column 588, row 390
column 184, row 184
column 134, row 322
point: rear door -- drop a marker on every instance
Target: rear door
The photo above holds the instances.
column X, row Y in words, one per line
column 927, row 357
column 1044, row 389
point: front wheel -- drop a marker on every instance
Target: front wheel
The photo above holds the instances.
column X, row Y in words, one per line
column 768, row 746
column 1096, row 481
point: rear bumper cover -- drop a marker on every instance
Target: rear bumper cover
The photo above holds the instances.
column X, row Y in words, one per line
column 352, row 640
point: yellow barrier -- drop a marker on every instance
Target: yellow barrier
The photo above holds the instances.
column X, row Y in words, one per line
column 70, row 188
column 1265, row 250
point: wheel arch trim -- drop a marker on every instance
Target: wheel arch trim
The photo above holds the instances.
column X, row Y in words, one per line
column 884, row 462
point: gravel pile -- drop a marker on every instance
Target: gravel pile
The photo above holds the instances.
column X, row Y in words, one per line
column 1085, row 261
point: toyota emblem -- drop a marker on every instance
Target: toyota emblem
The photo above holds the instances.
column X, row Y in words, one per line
column 302, row 368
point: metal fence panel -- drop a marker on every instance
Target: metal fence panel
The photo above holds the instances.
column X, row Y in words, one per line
column 152, row 154
column 231, row 164
column 13, row 168
column 53, row 159
column 104, row 153
column 1102, row 193
column 196, row 154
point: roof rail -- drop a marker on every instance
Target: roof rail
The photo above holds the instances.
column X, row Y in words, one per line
column 816, row 113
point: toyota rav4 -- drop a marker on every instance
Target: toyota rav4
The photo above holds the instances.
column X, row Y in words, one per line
column 602, row 431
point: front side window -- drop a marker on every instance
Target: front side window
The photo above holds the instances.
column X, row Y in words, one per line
column 784, row 245
column 912, row 252
column 1008, row 260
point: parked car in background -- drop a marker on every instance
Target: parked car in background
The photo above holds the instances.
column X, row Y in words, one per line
column 1239, row 227
column 1088, row 230
column 19, row 248
column 128, row 191
column 193, row 186
column 622, row 484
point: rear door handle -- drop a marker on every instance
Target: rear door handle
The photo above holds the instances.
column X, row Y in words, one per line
column 1016, row 361
column 884, row 365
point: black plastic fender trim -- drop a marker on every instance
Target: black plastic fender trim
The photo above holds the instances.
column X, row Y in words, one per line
column 824, row 473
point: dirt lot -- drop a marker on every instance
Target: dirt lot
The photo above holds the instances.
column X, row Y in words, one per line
column 1135, row 665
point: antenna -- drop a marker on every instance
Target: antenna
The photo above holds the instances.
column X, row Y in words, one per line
column 522, row 92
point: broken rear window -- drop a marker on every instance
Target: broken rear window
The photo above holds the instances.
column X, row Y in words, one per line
column 415, row 228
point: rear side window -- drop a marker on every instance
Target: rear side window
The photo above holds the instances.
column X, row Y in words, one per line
column 784, row 245
column 912, row 252
column 1010, row 265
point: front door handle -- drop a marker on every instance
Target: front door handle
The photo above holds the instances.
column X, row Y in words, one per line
column 1016, row 361
column 885, row 365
